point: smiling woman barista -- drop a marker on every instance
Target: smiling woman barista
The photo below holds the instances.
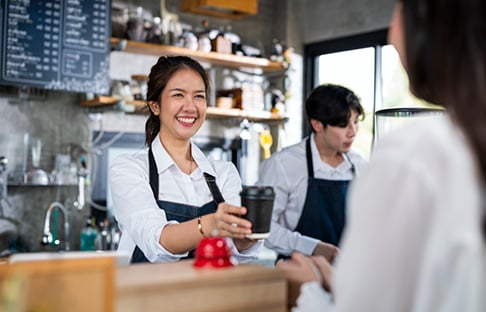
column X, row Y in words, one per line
column 311, row 177
column 168, row 197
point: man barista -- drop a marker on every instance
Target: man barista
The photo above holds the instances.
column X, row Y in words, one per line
column 311, row 178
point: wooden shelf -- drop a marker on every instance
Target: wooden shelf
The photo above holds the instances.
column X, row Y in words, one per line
column 214, row 58
column 262, row 116
column 221, row 8
column 109, row 101
column 212, row 112
column 100, row 101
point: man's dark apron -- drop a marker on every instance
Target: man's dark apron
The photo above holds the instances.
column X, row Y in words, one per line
column 176, row 211
column 324, row 213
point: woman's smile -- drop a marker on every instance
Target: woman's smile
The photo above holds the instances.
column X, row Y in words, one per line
column 187, row 120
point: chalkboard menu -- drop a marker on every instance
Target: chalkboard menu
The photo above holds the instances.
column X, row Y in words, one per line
column 56, row 44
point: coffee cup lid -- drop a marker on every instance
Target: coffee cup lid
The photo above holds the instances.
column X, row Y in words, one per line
column 257, row 191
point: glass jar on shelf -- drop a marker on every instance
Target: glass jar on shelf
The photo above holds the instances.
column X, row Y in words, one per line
column 138, row 86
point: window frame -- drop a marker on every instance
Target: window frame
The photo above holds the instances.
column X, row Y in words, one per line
column 376, row 39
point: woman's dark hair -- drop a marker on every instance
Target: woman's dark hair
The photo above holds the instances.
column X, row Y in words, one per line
column 332, row 105
column 445, row 42
column 159, row 76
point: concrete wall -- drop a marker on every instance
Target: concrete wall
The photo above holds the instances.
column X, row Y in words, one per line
column 310, row 21
column 317, row 20
column 63, row 125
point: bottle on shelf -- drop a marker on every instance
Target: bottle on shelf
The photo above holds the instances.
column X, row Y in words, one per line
column 105, row 235
column 89, row 237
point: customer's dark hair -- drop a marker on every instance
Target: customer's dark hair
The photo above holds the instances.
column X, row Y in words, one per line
column 332, row 105
column 159, row 76
column 445, row 42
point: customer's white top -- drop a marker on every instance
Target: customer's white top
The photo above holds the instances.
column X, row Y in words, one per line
column 286, row 172
column 413, row 240
column 140, row 218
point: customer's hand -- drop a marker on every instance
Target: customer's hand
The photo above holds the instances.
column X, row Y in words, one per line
column 325, row 269
column 326, row 250
column 300, row 269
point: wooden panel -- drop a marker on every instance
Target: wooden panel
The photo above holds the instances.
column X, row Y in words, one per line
column 180, row 287
column 58, row 285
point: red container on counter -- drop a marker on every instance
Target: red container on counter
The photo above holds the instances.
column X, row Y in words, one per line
column 213, row 252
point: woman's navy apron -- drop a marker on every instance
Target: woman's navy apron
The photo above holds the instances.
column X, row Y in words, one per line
column 324, row 213
column 176, row 211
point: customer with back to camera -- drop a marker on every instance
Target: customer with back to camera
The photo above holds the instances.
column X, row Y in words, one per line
column 416, row 236
column 311, row 178
column 168, row 197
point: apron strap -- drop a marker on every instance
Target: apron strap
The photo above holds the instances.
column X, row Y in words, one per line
column 153, row 175
column 213, row 187
column 308, row 156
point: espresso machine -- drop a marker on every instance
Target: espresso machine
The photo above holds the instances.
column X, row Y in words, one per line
column 390, row 119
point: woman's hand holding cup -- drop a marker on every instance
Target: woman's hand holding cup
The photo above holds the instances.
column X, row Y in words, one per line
column 228, row 221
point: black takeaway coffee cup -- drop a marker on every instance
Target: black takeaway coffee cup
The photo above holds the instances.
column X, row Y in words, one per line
column 258, row 201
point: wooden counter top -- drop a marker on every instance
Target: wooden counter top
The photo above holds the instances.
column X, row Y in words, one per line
column 98, row 284
column 180, row 287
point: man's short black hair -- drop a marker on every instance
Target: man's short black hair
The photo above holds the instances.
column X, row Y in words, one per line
column 332, row 105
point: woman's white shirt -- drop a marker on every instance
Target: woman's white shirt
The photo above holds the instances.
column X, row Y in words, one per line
column 413, row 239
column 140, row 219
column 286, row 172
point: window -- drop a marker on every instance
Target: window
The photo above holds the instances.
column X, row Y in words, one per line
column 395, row 90
column 368, row 66
column 353, row 70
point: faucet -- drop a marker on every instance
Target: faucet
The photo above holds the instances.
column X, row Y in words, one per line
column 47, row 236
column 3, row 177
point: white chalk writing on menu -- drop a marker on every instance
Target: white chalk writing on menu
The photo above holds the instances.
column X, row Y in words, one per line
column 56, row 44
